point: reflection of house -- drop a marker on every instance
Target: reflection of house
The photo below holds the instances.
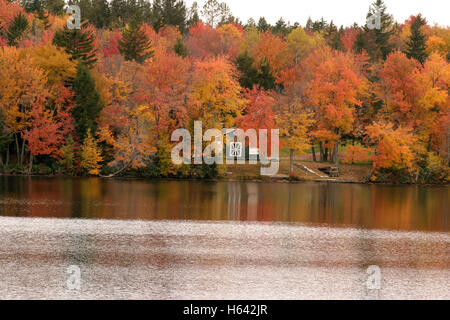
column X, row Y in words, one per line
column 252, row 201
column 234, row 200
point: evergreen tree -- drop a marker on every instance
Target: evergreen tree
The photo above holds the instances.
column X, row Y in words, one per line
column 280, row 28
column 16, row 29
column 251, row 76
column 416, row 45
column 55, row 6
column 141, row 10
column 32, row 6
column 79, row 43
column 248, row 73
column 376, row 41
column 87, row 102
column 309, row 24
column 334, row 36
column 169, row 12
column 319, row 25
column 134, row 44
column 265, row 77
column 117, row 8
column 123, row 12
column 180, row 48
column 263, row 25
column 99, row 14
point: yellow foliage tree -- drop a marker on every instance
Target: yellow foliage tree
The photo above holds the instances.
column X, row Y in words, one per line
column 436, row 44
column 230, row 38
column 300, row 43
column 251, row 39
column 294, row 122
column 217, row 93
column 55, row 61
column 91, row 155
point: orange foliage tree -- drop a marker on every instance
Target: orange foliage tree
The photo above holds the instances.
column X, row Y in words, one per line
column 394, row 148
column 336, row 88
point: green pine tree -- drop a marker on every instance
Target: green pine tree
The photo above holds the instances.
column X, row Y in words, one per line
column 309, row 24
column 265, row 78
column 416, row 45
column 55, row 6
column 79, row 43
column 117, row 13
column 248, row 73
column 33, row 5
column 280, row 28
column 376, row 41
column 134, row 44
column 87, row 102
column 263, row 25
column 169, row 12
column 99, row 13
column 319, row 25
column 17, row 29
column 180, row 48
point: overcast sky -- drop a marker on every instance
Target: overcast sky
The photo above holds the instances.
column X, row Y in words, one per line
column 342, row 12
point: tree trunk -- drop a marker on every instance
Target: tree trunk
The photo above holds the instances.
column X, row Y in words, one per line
column 353, row 153
column 325, row 156
column 118, row 171
column 7, row 157
column 22, row 152
column 291, row 160
column 320, row 151
column 1, row 158
column 17, row 148
column 448, row 145
column 336, row 150
column 313, row 153
column 31, row 163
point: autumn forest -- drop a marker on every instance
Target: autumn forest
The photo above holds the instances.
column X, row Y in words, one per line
column 103, row 100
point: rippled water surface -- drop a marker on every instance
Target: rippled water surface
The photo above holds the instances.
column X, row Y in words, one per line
column 193, row 240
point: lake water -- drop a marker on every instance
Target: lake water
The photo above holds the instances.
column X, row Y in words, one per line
column 216, row 240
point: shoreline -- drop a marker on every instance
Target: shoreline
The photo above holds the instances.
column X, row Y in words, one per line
column 265, row 180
